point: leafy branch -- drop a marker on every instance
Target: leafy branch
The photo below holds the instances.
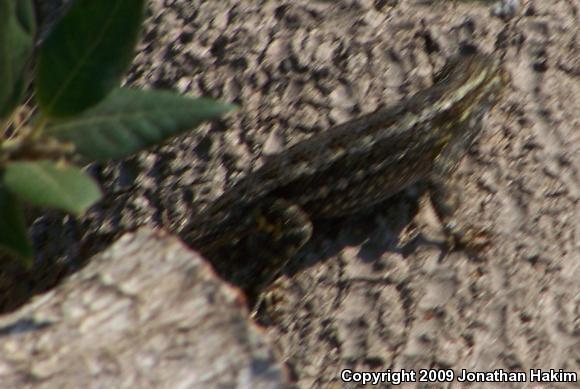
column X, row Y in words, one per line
column 75, row 75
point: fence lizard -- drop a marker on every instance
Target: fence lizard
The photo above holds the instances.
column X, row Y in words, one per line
column 257, row 226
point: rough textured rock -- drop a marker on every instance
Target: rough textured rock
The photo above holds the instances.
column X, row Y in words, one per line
column 377, row 291
column 147, row 313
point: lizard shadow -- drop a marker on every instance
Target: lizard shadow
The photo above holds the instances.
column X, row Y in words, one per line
column 372, row 232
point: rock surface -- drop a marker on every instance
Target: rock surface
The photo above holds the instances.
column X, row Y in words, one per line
column 376, row 291
column 147, row 313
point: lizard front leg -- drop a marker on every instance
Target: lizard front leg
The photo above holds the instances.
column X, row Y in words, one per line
column 446, row 192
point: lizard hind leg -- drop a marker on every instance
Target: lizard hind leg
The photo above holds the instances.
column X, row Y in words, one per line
column 278, row 230
column 282, row 227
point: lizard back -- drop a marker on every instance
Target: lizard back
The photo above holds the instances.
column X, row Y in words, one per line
column 368, row 159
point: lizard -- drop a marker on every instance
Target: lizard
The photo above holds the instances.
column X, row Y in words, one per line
column 266, row 217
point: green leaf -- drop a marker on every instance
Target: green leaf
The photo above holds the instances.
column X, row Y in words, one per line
column 26, row 17
column 46, row 184
column 17, row 28
column 13, row 234
column 85, row 55
column 130, row 120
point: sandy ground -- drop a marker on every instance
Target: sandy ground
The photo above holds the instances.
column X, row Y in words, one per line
column 376, row 291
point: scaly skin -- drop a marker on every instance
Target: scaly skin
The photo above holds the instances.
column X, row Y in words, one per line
column 265, row 218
